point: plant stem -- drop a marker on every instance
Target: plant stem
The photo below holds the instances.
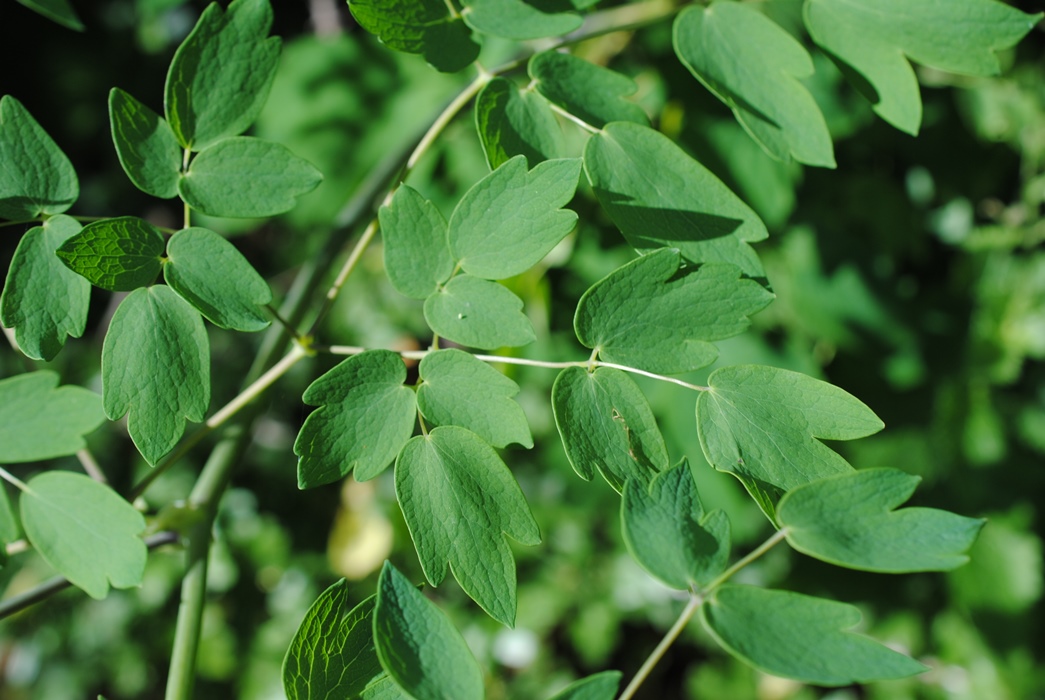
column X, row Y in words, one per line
column 91, row 466
column 14, row 481
column 573, row 118
column 695, row 601
column 754, row 554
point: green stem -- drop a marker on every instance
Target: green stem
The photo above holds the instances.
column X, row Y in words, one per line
column 754, row 554
column 14, row 481
column 695, row 601
column 569, row 116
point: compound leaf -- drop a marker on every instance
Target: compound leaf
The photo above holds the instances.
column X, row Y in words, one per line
column 40, row 420
column 754, row 66
column 876, row 40
column 43, row 300
column 607, row 425
column 517, row 19
column 600, row 686
column 209, row 273
column 460, row 500
column 512, row 218
column 420, row 27
column 655, row 316
column 658, row 196
column 514, row 122
column 417, row 258
column 800, row 637
column 220, row 76
column 246, row 177
column 478, row 313
column 146, row 145
column 418, row 645
column 592, row 93
column 36, row 177
column 156, row 368
column 849, row 520
column 84, row 530
column 116, row 254
column 59, row 11
column 365, row 416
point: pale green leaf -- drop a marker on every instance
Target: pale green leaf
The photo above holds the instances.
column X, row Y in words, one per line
column 59, row 11
column 36, row 178
column 10, row 530
column 849, row 520
column 384, row 688
column 417, row 258
column 876, row 40
column 418, row 645
column 84, row 530
column 655, row 316
column 601, row 686
column 513, row 122
column 156, row 368
column 116, row 254
column 421, row 27
column 43, row 300
column 366, row 415
column 147, row 148
column 606, row 425
column 459, row 501
column 39, row 420
column 478, row 313
column 762, row 423
column 457, row 389
column 220, row 76
column 590, row 92
column 508, row 221
column 800, row 637
column 244, row 177
column 517, row 19
column 661, row 197
column 668, row 533
column 754, row 66
column 209, row 273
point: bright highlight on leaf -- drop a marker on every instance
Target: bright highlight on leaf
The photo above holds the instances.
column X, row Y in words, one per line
column 422, row 27
column 459, row 501
column 478, row 313
column 849, row 520
column 513, row 122
column 36, row 177
column 594, row 94
column 600, row 686
column 417, row 258
column 517, row 19
column 116, row 254
column 40, row 420
column 148, row 149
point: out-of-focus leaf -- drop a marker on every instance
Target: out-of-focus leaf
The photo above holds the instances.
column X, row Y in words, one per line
column 517, row 19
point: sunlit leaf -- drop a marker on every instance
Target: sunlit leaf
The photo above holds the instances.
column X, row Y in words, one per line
column 40, row 420
column 514, row 122
column 478, row 313
column 517, row 19
column 422, row 27
column 36, row 177
column 417, row 258
column 116, row 254
column 148, row 149
column 592, row 93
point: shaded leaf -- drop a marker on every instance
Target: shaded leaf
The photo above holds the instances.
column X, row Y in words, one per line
column 421, row 27
column 590, row 92
column 116, row 254
column 10, row 530
column 478, row 313
column 513, row 122
column 40, row 420
column 146, row 145
column 417, row 258
column 37, row 178
column 517, row 19
column 59, row 11
column 600, row 686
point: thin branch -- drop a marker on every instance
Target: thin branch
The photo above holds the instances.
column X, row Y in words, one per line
column 569, row 116
column 651, row 375
column 91, row 466
column 14, row 481
column 695, row 601
column 754, row 554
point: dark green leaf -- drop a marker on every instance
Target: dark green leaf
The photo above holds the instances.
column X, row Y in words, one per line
column 84, row 530
column 422, row 27
column 517, row 19
column 220, row 76
column 652, row 315
column 246, row 177
column 601, row 686
column 156, row 367
column 460, row 500
column 514, row 122
column 59, row 11
column 478, row 313
column 43, row 300
column 36, row 177
column 800, row 637
column 417, row 258
column 366, row 415
column 660, row 197
column 39, row 421
column 148, row 149
column 590, row 92
column 209, row 273
column 116, row 254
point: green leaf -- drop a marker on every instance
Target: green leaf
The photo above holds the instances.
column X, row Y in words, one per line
column 514, row 122
column 209, row 273
column 421, row 27
column 800, row 637
column 517, row 19
column 9, row 528
column 762, row 423
column 37, row 178
column 460, row 500
column 146, row 145
column 366, row 415
column 478, row 313
column 220, row 76
column 655, row 316
column 84, row 530
column 39, row 420
column 332, row 653
column 116, row 254
column 668, row 533
column 384, row 688
column 417, row 258
column 43, row 300
column 245, row 177
column 876, row 41
column 661, row 197
column 508, row 221
column 458, row 389
column 418, row 645
column 59, row 11
column 156, row 368
column 849, row 520
column 600, row 686
column 590, row 92
column 606, row 424
column 754, row 66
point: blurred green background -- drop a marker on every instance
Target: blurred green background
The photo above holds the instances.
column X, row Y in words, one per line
column 913, row 276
